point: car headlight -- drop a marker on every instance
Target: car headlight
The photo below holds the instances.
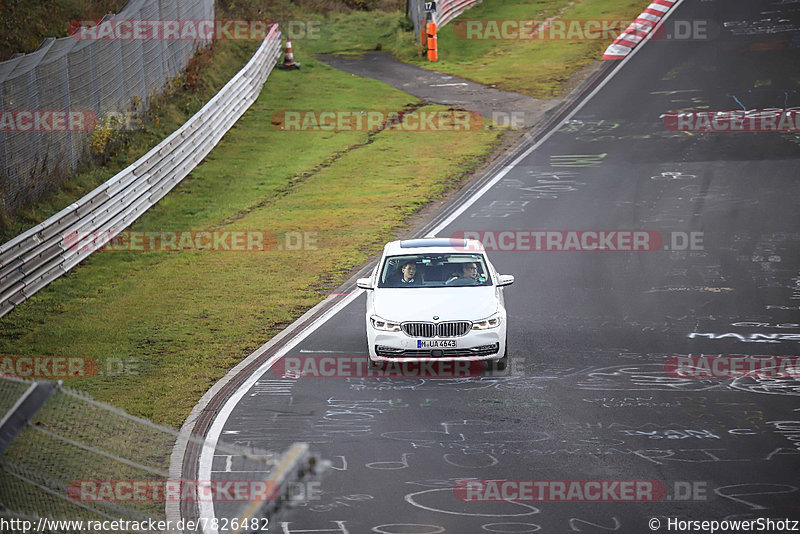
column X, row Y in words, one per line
column 486, row 324
column 382, row 324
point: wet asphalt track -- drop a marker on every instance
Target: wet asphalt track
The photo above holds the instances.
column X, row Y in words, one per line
column 586, row 396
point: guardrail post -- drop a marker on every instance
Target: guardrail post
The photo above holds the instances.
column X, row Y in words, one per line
column 23, row 411
column 296, row 465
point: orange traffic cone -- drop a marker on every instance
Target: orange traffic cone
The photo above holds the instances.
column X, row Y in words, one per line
column 288, row 59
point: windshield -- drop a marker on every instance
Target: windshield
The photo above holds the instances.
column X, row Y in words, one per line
column 434, row 270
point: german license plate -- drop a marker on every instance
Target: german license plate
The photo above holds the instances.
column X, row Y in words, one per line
column 436, row 344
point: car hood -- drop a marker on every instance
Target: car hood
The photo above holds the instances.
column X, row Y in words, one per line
column 449, row 304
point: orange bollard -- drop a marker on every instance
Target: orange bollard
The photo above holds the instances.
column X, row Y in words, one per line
column 433, row 51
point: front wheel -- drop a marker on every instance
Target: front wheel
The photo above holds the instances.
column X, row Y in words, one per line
column 501, row 364
column 372, row 364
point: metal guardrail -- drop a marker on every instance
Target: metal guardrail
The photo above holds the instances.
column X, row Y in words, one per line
column 45, row 252
column 446, row 11
column 100, row 77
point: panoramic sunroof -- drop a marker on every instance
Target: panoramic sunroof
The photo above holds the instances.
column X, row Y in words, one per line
column 445, row 242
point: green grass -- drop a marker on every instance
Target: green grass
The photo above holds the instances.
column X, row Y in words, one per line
column 187, row 317
column 24, row 24
column 537, row 68
column 361, row 31
column 208, row 73
column 183, row 319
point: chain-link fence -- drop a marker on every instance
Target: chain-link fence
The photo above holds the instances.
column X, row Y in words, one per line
column 65, row 457
column 415, row 10
column 45, row 252
column 87, row 76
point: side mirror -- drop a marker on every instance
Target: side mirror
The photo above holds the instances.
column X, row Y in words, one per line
column 365, row 283
column 505, row 280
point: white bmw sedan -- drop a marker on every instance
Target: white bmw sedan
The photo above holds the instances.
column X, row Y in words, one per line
column 436, row 299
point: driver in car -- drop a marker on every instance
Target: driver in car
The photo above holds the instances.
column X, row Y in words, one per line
column 408, row 276
column 468, row 270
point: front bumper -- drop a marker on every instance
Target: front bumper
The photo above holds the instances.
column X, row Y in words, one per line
column 475, row 345
column 483, row 350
